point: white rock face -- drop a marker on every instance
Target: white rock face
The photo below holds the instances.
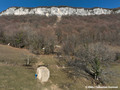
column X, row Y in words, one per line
column 43, row 74
column 58, row 11
column 117, row 11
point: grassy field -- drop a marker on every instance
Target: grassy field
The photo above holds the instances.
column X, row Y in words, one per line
column 15, row 76
column 59, row 77
column 12, row 55
column 115, row 79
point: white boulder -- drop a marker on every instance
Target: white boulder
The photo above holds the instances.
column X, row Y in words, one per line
column 43, row 73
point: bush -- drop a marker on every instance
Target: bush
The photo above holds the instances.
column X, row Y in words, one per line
column 89, row 59
column 29, row 60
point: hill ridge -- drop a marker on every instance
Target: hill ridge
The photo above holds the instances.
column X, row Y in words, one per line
column 59, row 11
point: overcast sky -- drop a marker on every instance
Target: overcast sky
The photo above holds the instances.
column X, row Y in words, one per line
column 4, row 4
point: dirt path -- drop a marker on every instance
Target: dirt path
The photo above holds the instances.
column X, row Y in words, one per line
column 57, row 21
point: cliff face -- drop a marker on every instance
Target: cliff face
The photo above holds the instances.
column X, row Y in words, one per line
column 59, row 11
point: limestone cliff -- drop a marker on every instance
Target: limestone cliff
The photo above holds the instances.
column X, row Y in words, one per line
column 59, row 11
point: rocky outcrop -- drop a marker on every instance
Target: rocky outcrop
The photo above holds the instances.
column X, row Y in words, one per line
column 59, row 11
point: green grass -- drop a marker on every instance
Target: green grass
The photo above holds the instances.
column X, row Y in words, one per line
column 116, row 69
column 18, row 77
column 60, row 77
column 15, row 76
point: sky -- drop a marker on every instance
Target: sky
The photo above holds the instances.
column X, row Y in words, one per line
column 4, row 4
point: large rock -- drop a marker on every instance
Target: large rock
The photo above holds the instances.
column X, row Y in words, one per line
column 43, row 74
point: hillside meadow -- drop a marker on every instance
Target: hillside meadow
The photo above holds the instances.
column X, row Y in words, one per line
column 79, row 51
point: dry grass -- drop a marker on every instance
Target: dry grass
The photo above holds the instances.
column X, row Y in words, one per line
column 59, row 76
column 14, row 76
column 12, row 55
column 17, row 77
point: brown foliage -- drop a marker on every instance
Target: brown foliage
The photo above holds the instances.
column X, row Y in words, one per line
column 71, row 31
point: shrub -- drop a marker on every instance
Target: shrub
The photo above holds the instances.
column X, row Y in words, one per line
column 90, row 59
column 29, row 60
